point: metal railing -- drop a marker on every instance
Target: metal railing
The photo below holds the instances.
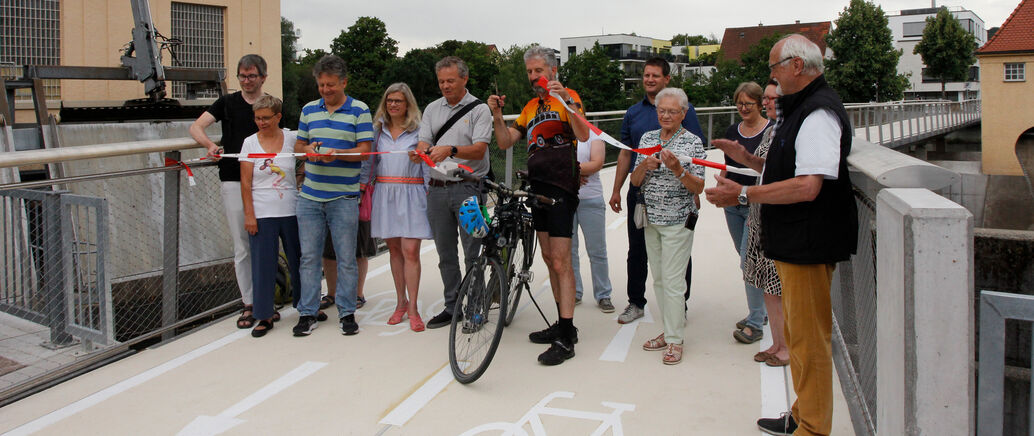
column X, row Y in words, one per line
column 995, row 309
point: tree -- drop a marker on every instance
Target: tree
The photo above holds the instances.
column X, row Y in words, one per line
column 596, row 78
column 865, row 64
column 288, row 41
column 946, row 48
column 299, row 85
column 686, row 39
column 416, row 69
column 717, row 89
column 368, row 51
column 513, row 78
column 480, row 59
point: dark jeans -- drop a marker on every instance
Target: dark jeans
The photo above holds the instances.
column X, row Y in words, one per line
column 265, row 249
column 637, row 261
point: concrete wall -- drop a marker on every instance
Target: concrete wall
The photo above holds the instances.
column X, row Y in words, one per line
column 1005, row 120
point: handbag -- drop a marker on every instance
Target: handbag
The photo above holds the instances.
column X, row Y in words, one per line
column 639, row 214
column 366, row 199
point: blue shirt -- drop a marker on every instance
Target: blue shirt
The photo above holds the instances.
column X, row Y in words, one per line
column 642, row 118
column 342, row 130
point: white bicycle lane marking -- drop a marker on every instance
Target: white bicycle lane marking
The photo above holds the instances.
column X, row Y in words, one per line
column 227, row 419
column 608, row 421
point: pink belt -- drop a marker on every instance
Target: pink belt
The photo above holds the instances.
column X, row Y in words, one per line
column 405, row 180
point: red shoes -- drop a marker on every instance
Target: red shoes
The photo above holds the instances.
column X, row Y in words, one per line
column 397, row 317
column 416, row 324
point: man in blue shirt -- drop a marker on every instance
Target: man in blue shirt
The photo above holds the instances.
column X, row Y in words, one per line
column 639, row 119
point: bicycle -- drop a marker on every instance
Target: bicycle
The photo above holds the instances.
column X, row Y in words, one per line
column 490, row 291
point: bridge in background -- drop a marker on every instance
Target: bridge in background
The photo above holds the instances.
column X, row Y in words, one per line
column 118, row 253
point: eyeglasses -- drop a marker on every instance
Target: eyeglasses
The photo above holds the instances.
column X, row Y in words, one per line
column 745, row 105
column 771, row 66
column 264, row 119
column 670, row 113
column 246, row 77
column 392, row 101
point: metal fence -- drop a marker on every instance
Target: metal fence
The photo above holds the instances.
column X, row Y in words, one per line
column 995, row 309
column 107, row 260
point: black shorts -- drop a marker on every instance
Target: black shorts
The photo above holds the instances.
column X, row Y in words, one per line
column 365, row 246
column 558, row 219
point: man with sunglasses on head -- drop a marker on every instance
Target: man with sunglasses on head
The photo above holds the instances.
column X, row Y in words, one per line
column 237, row 120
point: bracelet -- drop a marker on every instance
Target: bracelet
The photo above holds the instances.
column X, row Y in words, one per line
column 684, row 172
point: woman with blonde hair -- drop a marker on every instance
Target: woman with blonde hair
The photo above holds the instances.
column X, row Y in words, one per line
column 399, row 214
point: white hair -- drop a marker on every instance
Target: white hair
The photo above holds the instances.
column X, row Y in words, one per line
column 677, row 93
column 538, row 51
column 798, row 46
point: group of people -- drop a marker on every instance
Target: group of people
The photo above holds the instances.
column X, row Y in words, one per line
column 790, row 227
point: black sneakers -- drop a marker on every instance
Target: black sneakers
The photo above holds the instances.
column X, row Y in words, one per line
column 783, row 425
column 306, row 324
column 549, row 335
column 440, row 320
column 348, row 325
column 560, row 350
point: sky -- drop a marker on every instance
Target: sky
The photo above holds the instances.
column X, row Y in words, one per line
column 425, row 23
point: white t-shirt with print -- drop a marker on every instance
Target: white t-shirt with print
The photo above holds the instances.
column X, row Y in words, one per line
column 274, row 189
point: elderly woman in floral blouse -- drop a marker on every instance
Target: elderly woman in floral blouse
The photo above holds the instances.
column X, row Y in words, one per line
column 668, row 183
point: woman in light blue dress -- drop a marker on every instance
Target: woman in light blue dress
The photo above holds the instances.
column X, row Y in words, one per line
column 399, row 214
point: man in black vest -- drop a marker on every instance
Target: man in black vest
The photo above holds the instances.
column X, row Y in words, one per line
column 808, row 222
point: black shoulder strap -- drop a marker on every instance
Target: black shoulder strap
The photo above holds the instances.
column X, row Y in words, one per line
column 456, row 117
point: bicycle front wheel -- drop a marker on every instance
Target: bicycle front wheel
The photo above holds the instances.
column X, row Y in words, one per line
column 520, row 260
column 477, row 322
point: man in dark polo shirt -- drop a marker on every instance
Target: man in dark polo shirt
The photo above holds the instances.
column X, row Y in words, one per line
column 552, row 135
column 809, row 222
column 237, row 122
column 639, row 119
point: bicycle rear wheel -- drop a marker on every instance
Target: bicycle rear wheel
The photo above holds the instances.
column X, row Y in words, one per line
column 477, row 323
column 519, row 265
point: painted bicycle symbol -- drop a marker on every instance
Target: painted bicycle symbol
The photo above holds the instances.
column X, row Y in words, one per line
column 608, row 421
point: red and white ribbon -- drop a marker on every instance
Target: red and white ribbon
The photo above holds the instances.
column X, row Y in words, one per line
column 600, row 133
column 728, row 168
column 190, row 174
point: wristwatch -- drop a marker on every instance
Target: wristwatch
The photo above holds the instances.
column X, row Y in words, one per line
column 742, row 198
column 454, row 150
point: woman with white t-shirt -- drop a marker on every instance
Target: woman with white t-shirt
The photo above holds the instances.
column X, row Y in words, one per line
column 269, row 191
column 591, row 217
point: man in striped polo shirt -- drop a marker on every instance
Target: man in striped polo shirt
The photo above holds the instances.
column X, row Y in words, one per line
column 335, row 123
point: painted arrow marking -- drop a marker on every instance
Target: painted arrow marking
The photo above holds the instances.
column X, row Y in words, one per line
column 213, row 425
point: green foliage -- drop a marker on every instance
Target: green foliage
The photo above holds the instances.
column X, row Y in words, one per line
column 865, row 64
column 513, row 78
column 717, row 89
column 946, row 48
column 686, row 39
column 368, row 51
column 596, row 78
column 416, row 69
column 480, row 59
column 299, row 86
column 288, row 41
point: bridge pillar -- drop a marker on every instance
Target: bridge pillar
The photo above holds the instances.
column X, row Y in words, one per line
column 924, row 322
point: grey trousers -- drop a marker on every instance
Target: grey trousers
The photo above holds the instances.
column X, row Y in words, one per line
column 443, row 205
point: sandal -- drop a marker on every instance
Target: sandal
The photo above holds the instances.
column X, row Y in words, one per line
column 415, row 323
column 276, row 316
column 744, row 338
column 672, row 355
column 774, row 361
column 762, row 356
column 263, row 327
column 245, row 321
column 326, row 302
column 397, row 317
column 655, row 344
column 360, row 301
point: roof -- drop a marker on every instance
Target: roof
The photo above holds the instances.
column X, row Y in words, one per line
column 1015, row 36
column 738, row 39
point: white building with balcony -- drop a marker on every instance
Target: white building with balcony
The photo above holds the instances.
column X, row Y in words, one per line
column 907, row 30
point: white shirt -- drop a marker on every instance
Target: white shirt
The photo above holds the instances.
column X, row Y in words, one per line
column 818, row 145
column 592, row 189
column 274, row 190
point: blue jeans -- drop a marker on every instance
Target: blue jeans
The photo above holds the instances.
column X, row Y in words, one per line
column 341, row 216
column 736, row 218
column 591, row 217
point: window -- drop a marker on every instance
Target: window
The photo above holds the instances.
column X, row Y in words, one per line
column 1015, row 72
column 200, row 27
column 972, row 75
column 913, row 29
column 30, row 35
column 571, row 50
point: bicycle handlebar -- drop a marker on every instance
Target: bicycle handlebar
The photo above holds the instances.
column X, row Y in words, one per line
column 507, row 191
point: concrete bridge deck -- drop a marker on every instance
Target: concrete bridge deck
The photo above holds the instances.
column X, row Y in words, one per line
column 390, row 381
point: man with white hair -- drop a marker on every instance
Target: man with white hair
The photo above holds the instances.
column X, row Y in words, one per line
column 552, row 135
column 808, row 223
